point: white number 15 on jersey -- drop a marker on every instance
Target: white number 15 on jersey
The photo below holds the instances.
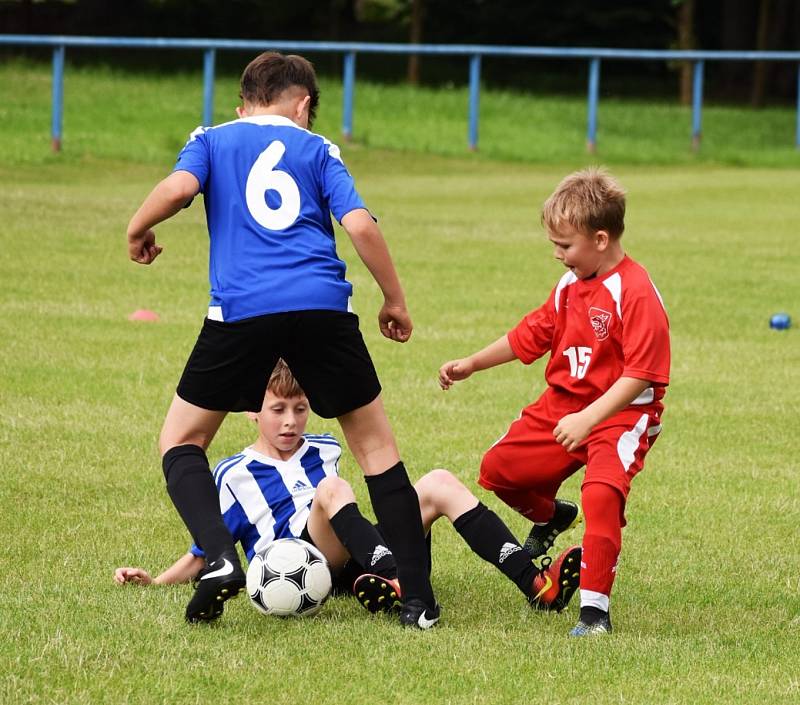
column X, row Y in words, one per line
column 579, row 359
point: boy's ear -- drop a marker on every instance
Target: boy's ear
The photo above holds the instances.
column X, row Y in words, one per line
column 240, row 111
column 251, row 415
column 303, row 107
column 601, row 239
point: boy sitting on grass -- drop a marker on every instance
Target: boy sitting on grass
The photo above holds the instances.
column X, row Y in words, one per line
column 287, row 485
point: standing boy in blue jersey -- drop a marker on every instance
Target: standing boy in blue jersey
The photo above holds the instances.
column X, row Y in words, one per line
column 287, row 485
column 278, row 289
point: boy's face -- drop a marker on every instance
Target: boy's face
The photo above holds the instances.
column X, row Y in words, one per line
column 281, row 424
column 580, row 252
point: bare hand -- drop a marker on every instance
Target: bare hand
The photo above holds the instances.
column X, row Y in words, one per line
column 395, row 322
column 138, row 576
column 144, row 249
column 572, row 430
column 454, row 371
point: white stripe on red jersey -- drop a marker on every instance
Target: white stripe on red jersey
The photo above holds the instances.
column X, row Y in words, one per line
column 596, row 331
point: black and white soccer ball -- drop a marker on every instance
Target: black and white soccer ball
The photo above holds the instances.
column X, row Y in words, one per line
column 289, row 578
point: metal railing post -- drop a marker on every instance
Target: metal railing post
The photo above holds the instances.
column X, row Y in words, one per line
column 58, row 97
column 593, row 98
column 474, row 100
column 697, row 105
column 348, row 91
column 209, row 57
column 797, row 127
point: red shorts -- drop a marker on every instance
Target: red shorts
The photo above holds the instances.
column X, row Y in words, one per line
column 528, row 457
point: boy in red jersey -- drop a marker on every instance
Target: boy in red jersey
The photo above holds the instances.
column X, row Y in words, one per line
column 607, row 333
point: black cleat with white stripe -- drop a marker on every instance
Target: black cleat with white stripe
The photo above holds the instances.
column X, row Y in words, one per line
column 215, row 585
column 417, row 615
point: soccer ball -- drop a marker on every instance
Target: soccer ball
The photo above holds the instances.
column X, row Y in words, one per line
column 288, row 578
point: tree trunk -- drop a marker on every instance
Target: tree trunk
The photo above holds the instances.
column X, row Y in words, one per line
column 761, row 68
column 785, row 36
column 415, row 37
column 686, row 40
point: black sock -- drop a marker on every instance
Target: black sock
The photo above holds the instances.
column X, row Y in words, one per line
column 487, row 535
column 191, row 487
column 363, row 542
column 428, row 546
column 591, row 615
column 396, row 508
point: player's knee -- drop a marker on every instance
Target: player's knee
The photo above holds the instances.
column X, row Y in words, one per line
column 334, row 490
column 439, row 479
column 165, row 444
column 603, row 508
column 169, row 440
column 434, row 488
column 490, row 468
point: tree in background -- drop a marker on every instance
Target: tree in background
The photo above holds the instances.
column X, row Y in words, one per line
column 760, row 68
column 649, row 24
column 686, row 40
column 408, row 14
column 778, row 27
column 415, row 37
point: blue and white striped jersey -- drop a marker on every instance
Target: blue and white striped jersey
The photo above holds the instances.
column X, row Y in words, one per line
column 269, row 188
column 264, row 498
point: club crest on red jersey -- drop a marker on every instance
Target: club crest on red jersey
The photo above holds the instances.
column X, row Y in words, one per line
column 599, row 320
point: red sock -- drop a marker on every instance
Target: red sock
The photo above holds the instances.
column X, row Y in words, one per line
column 603, row 508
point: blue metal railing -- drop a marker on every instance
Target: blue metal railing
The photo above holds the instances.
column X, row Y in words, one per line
column 474, row 96
column 350, row 49
column 349, row 90
column 697, row 104
column 593, row 100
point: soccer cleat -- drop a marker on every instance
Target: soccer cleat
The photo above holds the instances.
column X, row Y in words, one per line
column 416, row 614
column 601, row 626
column 542, row 536
column 377, row 594
column 555, row 585
column 217, row 583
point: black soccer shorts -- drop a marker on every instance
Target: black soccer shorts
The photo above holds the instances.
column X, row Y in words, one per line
column 230, row 364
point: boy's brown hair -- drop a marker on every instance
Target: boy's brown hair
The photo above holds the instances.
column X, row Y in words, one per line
column 270, row 74
column 589, row 200
column 282, row 382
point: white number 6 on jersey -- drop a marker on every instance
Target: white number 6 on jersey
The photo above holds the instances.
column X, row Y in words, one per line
column 264, row 177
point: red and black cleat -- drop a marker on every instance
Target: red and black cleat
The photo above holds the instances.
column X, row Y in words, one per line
column 555, row 585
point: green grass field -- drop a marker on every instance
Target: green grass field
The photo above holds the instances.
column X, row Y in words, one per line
column 706, row 606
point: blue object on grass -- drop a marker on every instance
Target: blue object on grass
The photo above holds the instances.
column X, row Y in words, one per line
column 780, row 321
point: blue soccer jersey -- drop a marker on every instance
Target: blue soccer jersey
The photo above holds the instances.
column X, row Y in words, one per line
column 269, row 188
column 263, row 499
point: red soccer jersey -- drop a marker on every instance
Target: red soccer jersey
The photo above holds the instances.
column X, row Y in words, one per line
column 599, row 330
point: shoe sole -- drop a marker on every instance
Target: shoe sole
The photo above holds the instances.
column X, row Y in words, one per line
column 376, row 594
column 569, row 579
column 569, row 576
column 215, row 605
